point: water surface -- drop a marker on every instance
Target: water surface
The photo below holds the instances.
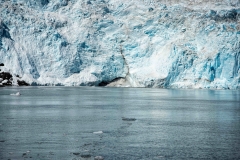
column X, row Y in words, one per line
column 58, row 123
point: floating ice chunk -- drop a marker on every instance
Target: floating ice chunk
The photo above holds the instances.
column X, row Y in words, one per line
column 98, row 132
column 98, row 158
column 16, row 94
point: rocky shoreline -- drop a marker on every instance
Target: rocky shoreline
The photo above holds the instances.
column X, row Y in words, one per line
column 6, row 79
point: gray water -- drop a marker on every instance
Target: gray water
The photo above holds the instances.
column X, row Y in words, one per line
column 58, row 123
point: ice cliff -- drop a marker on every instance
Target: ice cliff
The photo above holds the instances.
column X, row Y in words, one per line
column 136, row 43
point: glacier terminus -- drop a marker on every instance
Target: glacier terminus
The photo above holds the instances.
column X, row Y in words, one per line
column 122, row 43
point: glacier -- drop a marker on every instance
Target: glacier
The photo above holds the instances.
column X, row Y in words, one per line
column 122, row 43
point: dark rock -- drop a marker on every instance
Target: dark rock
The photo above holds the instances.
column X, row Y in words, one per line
column 24, row 154
column 8, row 83
column 128, row 119
column 76, row 153
column 5, row 75
column 22, row 83
column 1, row 64
column 85, row 155
column 2, row 141
column 104, row 83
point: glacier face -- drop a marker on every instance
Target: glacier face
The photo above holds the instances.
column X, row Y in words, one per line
column 144, row 43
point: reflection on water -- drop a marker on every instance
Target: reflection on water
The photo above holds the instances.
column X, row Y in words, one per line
column 58, row 123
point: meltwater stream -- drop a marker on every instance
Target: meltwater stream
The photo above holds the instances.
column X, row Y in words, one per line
column 85, row 122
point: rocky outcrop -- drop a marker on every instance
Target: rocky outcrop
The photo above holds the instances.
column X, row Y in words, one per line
column 7, row 79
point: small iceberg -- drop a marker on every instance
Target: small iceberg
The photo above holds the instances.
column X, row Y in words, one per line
column 16, row 94
column 98, row 158
column 98, row 132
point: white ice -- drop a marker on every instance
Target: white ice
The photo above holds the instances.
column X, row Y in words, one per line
column 145, row 43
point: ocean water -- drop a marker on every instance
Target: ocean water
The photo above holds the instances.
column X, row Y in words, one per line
column 85, row 122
